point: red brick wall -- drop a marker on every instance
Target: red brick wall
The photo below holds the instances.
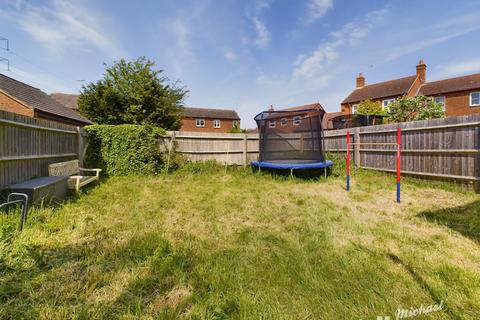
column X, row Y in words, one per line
column 347, row 107
column 188, row 124
column 11, row 105
column 458, row 104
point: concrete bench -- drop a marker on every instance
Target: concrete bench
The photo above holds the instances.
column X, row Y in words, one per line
column 51, row 188
column 72, row 170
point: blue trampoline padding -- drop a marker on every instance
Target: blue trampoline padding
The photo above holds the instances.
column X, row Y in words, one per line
column 294, row 166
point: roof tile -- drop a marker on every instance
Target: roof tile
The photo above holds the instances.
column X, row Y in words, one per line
column 384, row 89
column 210, row 113
column 37, row 99
column 464, row 83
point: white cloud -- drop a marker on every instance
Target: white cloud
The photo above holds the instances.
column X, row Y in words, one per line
column 230, row 55
column 317, row 9
column 469, row 66
column 311, row 65
column 425, row 43
column 62, row 26
column 253, row 12
column 263, row 35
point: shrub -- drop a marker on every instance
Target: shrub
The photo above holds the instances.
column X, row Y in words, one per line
column 369, row 107
column 124, row 149
column 414, row 108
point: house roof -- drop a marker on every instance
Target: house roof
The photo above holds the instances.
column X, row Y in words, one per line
column 210, row 113
column 67, row 99
column 381, row 90
column 451, row 85
column 304, row 107
column 36, row 99
column 326, row 123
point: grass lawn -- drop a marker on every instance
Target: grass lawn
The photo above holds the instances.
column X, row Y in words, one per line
column 209, row 245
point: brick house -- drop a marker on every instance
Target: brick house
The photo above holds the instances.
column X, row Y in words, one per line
column 459, row 96
column 288, row 122
column 209, row 120
column 20, row 98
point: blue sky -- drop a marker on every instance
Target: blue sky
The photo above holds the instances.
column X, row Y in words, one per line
column 244, row 55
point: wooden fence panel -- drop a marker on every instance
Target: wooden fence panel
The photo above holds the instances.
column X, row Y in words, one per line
column 440, row 148
column 28, row 146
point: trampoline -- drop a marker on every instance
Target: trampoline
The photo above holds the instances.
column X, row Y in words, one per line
column 291, row 139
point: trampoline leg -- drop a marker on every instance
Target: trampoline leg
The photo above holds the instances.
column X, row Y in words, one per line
column 325, row 173
column 291, row 173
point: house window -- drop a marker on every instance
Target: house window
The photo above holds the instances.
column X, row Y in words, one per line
column 440, row 100
column 283, row 122
column 216, row 124
column 271, row 124
column 386, row 102
column 475, row 99
column 297, row 120
column 234, row 124
column 200, row 123
column 354, row 108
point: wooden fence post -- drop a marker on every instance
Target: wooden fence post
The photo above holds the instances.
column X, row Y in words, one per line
column 477, row 159
column 80, row 146
column 356, row 149
column 245, row 150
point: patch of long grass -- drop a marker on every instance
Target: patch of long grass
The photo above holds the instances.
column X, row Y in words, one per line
column 204, row 244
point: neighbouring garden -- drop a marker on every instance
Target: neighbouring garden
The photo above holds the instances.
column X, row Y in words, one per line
column 200, row 243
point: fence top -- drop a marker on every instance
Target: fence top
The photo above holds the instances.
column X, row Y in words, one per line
column 432, row 124
column 34, row 123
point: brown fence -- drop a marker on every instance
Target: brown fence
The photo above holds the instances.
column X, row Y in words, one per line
column 440, row 148
column 28, row 146
column 231, row 148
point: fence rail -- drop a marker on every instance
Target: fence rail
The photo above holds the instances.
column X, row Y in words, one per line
column 439, row 148
column 28, row 146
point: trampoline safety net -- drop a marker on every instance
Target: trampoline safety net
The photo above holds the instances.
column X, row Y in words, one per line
column 294, row 136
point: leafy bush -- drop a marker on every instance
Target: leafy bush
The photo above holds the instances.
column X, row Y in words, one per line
column 124, row 149
column 414, row 108
column 369, row 107
column 133, row 92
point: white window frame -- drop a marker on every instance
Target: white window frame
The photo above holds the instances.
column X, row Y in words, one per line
column 272, row 123
column 471, row 99
column 200, row 123
column 388, row 101
column 234, row 124
column 283, row 122
column 297, row 120
column 215, row 122
column 443, row 103
column 355, row 107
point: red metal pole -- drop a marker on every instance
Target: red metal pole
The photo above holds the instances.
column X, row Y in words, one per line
column 399, row 161
column 348, row 161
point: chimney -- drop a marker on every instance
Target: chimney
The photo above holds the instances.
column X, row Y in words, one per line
column 271, row 108
column 422, row 71
column 360, row 80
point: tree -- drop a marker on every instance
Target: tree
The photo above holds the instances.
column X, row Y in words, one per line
column 133, row 92
column 414, row 108
column 369, row 107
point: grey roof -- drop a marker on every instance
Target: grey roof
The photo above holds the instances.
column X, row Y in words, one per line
column 69, row 100
column 36, row 99
column 210, row 113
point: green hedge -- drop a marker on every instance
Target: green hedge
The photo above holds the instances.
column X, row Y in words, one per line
column 124, row 149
